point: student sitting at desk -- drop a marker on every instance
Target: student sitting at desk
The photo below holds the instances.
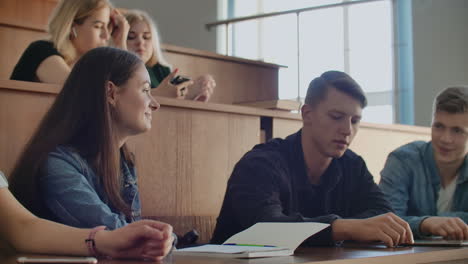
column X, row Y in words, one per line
column 143, row 39
column 311, row 176
column 77, row 169
column 427, row 182
column 144, row 239
column 74, row 28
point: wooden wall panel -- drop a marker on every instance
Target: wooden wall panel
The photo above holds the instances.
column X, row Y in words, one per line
column 20, row 114
column 184, row 163
column 282, row 128
column 374, row 143
column 32, row 14
column 236, row 81
column 244, row 134
column 158, row 160
column 210, row 142
column 187, row 158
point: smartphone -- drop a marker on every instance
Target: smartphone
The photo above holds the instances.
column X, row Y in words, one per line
column 179, row 79
column 81, row 260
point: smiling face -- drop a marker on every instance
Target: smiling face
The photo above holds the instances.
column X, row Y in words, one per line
column 140, row 41
column 134, row 104
column 331, row 124
column 93, row 32
column 449, row 137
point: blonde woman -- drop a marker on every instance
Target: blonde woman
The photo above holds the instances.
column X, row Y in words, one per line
column 75, row 27
column 144, row 239
column 143, row 39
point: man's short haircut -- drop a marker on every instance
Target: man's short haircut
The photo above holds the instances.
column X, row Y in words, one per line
column 319, row 86
column 453, row 100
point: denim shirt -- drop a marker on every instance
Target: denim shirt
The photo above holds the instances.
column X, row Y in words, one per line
column 411, row 182
column 3, row 181
column 75, row 196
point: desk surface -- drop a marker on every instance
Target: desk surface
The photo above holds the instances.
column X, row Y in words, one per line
column 353, row 253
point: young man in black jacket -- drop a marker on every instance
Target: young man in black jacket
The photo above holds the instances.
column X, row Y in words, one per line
column 311, row 176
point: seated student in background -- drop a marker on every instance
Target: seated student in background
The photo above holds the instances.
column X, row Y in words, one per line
column 75, row 27
column 76, row 169
column 427, row 182
column 311, row 176
column 144, row 239
column 143, row 39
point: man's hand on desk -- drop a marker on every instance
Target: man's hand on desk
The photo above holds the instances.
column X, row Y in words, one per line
column 388, row 228
column 448, row 227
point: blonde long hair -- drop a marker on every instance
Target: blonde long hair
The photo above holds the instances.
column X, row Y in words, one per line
column 134, row 16
column 61, row 21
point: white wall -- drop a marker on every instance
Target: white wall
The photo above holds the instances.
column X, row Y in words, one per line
column 180, row 22
column 440, row 39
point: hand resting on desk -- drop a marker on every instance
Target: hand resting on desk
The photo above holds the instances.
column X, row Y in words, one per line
column 146, row 238
column 448, row 227
column 388, row 228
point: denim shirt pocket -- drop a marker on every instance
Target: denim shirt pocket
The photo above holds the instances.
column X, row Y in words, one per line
column 130, row 191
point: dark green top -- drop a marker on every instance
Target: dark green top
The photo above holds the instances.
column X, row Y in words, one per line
column 157, row 73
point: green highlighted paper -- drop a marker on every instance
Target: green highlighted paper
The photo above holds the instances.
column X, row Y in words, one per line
column 260, row 240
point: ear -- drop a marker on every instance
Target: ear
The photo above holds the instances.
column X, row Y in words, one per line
column 306, row 112
column 73, row 33
column 111, row 92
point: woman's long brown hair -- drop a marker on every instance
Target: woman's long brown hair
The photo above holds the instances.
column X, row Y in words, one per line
column 80, row 118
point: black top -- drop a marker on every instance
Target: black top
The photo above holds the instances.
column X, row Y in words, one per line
column 33, row 56
column 270, row 184
column 157, row 74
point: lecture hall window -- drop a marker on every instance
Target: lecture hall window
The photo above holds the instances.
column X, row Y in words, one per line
column 357, row 39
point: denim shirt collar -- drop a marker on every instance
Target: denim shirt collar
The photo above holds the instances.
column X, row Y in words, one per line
column 435, row 176
column 432, row 165
column 130, row 192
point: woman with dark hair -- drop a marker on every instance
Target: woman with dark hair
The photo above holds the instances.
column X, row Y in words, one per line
column 76, row 169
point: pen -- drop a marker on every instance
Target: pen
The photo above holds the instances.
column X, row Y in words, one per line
column 247, row 245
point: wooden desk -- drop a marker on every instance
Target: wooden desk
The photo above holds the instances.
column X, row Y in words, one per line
column 185, row 160
column 348, row 254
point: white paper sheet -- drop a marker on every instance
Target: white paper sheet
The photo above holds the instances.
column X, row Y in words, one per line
column 286, row 235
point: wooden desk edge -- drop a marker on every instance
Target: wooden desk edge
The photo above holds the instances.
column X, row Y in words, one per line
column 422, row 257
column 164, row 101
column 217, row 56
column 214, row 107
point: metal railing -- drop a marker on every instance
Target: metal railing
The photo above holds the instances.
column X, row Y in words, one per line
column 228, row 22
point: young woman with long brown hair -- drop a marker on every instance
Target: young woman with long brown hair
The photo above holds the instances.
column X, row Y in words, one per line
column 76, row 169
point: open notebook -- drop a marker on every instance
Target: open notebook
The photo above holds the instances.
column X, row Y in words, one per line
column 260, row 240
